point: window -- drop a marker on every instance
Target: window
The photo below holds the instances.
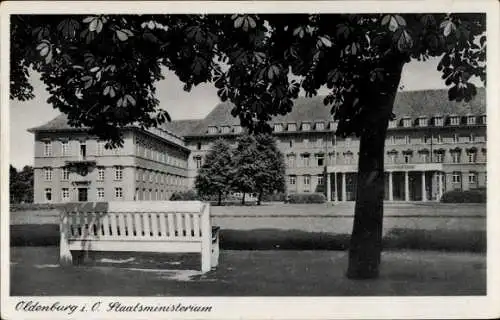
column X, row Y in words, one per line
column 83, row 150
column 118, row 173
column 455, row 121
column 471, row 156
column 48, row 194
column 439, row 139
column 156, row 194
column 65, row 194
column 407, row 157
column 307, row 180
column 455, row 138
column 47, row 148
column 438, row 121
column 48, row 174
column 455, row 157
column 472, row 138
column 100, row 174
column 472, row 177
column 65, row 174
column 100, row 193
column 333, row 125
column 347, row 142
column 198, row 146
column 406, row 122
column 471, row 120
column 306, row 143
column 305, row 160
column 320, row 159
column 291, row 161
column 320, row 126
column 278, row 127
column 348, row 157
column 425, row 157
column 151, row 176
column 422, row 122
column 483, row 119
column 225, row 129
column 197, row 159
column 292, row 127
column 392, row 157
column 439, row 157
column 424, row 139
column 212, row 130
column 100, row 147
column 407, row 140
column 320, row 179
column 291, row 144
column 392, row 140
column 65, row 148
column 393, row 123
column 118, row 193
column 237, row 129
column 306, row 126
column 319, row 142
column 456, row 177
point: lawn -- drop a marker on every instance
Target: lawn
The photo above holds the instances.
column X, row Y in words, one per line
column 35, row 271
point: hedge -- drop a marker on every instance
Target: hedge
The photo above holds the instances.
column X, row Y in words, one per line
column 468, row 196
column 307, row 198
column 184, row 196
column 34, row 206
column 276, row 197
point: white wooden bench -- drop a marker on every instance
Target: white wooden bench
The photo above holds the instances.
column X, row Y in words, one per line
column 138, row 226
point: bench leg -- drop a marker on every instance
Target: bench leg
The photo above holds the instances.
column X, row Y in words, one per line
column 65, row 255
column 215, row 250
column 78, row 257
column 206, row 252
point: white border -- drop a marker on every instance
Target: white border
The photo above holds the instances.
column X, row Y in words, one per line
column 279, row 308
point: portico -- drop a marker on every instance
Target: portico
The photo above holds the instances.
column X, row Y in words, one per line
column 404, row 182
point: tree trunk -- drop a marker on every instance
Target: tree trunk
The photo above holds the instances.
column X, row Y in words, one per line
column 243, row 199
column 259, row 199
column 366, row 240
column 219, row 200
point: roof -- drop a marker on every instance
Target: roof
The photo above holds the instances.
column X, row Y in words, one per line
column 408, row 103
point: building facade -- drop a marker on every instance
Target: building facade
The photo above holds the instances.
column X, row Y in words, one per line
column 433, row 146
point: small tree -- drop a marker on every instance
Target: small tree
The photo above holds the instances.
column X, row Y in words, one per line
column 245, row 165
column 214, row 177
column 271, row 164
column 21, row 184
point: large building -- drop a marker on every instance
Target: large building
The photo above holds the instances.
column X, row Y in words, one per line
column 432, row 146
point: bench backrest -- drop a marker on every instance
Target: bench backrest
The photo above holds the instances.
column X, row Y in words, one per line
column 154, row 220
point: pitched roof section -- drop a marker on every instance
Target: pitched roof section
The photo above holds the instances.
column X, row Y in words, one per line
column 408, row 103
column 411, row 104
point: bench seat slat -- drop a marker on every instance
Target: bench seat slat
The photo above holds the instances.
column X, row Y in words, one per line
column 141, row 245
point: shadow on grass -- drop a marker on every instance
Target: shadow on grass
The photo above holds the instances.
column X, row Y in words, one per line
column 272, row 239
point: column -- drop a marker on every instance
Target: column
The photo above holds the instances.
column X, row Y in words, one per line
column 407, row 187
column 328, row 188
column 335, row 185
column 439, row 186
column 344, row 191
column 424, row 189
column 391, row 192
column 434, row 186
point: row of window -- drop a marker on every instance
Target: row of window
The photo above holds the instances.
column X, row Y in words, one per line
column 159, row 177
column 159, row 156
column 82, row 149
column 65, row 173
column 150, row 194
column 65, row 194
column 406, row 122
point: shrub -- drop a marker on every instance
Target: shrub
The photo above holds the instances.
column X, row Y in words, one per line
column 184, row 196
column 307, row 198
column 468, row 196
column 276, row 197
column 34, row 206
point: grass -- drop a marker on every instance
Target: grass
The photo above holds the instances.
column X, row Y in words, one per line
column 35, row 271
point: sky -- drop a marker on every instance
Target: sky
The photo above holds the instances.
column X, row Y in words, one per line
column 180, row 104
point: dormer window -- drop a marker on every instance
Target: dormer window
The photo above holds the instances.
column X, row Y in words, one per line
column 225, row 129
column 471, row 120
column 306, row 126
column 333, row 125
column 320, row 126
column 454, row 120
column 422, row 122
column 483, row 119
column 278, row 127
column 292, row 127
column 237, row 129
column 212, row 129
column 406, row 122
column 438, row 121
column 393, row 124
